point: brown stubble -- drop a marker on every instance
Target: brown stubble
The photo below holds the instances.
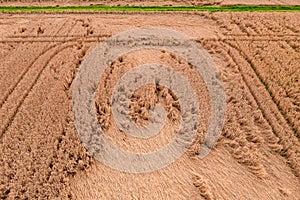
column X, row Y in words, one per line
column 41, row 154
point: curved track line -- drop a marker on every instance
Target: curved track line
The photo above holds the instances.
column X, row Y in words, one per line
column 244, row 56
column 277, row 122
column 57, row 36
column 12, row 88
column 12, row 112
column 86, row 39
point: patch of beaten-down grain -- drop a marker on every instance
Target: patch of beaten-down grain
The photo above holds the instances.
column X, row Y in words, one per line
column 41, row 155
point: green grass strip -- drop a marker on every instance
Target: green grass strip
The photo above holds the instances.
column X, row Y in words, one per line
column 103, row 8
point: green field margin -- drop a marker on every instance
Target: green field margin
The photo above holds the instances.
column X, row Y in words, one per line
column 104, row 8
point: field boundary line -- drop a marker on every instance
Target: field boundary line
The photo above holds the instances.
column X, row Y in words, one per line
column 134, row 9
column 59, row 38
column 100, row 38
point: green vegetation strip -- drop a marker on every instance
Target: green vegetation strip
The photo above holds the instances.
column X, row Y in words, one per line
column 103, row 8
